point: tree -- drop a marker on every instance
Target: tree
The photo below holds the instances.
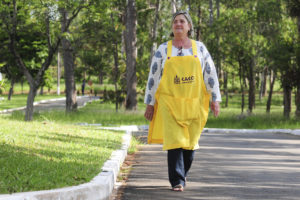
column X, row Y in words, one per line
column 270, row 20
column 294, row 11
column 131, row 55
column 44, row 18
column 65, row 9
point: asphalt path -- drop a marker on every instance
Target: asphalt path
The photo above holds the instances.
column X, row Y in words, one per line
column 61, row 104
column 55, row 104
column 227, row 166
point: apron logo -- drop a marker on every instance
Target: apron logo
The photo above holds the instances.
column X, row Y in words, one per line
column 177, row 80
column 187, row 79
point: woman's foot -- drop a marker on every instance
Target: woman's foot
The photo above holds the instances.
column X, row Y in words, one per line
column 178, row 188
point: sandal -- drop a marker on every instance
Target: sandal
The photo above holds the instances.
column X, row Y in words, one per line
column 178, row 188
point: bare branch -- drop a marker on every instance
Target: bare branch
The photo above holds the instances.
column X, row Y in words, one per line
column 146, row 9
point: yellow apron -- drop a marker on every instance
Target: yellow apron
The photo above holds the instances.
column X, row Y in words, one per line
column 182, row 102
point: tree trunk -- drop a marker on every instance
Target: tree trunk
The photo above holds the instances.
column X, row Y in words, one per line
column 297, row 101
column 263, row 84
column 68, row 60
column 11, row 89
column 42, row 90
column 116, row 61
column 287, row 101
column 58, row 72
column 226, row 87
column 30, row 100
column 297, row 96
column 116, row 71
column 101, row 76
column 251, row 96
column 198, row 29
column 131, row 54
column 218, row 59
column 233, row 80
column 173, row 6
column 265, row 77
column 241, row 74
column 154, row 32
column 271, row 91
column 211, row 12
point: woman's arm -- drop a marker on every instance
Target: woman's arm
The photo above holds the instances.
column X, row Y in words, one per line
column 211, row 79
column 153, row 81
column 154, row 76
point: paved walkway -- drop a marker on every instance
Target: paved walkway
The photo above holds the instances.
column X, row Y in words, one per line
column 57, row 104
column 61, row 104
column 227, row 166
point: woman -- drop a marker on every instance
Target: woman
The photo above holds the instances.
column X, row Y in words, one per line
column 181, row 80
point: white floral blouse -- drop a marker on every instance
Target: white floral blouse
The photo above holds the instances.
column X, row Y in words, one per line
column 158, row 62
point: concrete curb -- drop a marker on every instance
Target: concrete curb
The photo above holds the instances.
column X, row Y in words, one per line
column 99, row 188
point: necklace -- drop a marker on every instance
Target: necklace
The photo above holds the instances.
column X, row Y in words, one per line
column 185, row 43
column 179, row 51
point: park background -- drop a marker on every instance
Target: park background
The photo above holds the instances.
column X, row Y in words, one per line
column 47, row 44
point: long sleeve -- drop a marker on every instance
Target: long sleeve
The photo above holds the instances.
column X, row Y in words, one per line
column 209, row 73
column 155, row 74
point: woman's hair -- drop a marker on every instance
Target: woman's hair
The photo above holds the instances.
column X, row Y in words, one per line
column 188, row 18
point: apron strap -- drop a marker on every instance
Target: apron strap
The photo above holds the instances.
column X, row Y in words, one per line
column 194, row 47
column 169, row 50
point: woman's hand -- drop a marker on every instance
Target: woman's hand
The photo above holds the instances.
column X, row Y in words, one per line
column 149, row 112
column 215, row 107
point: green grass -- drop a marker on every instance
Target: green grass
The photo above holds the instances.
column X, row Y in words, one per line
column 52, row 152
column 94, row 113
column 134, row 145
column 231, row 117
column 105, row 114
column 96, row 86
column 20, row 100
column 47, row 155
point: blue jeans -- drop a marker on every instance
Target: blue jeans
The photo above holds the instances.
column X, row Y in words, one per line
column 179, row 163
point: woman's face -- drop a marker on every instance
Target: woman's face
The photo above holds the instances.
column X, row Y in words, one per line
column 180, row 25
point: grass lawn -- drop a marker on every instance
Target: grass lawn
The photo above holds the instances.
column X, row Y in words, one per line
column 231, row 116
column 94, row 113
column 47, row 155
